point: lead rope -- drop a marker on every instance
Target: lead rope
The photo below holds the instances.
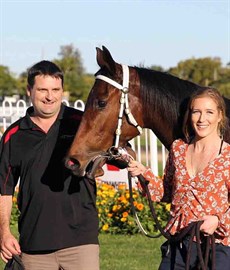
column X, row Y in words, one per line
column 193, row 230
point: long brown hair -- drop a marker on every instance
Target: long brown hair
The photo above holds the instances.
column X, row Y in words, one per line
column 215, row 95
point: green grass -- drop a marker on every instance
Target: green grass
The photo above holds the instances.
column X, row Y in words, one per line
column 127, row 252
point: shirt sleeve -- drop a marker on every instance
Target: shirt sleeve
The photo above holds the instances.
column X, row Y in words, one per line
column 8, row 175
column 224, row 218
column 223, row 228
column 160, row 189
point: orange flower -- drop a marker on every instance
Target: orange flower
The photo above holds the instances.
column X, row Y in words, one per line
column 140, row 206
column 121, row 186
column 125, row 214
column 135, row 203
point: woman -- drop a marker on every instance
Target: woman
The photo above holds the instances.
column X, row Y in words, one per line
column 196, row 181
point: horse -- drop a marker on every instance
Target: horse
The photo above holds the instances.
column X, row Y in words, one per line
column 123, row 101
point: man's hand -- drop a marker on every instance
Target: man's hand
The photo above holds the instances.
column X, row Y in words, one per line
column 9, row 247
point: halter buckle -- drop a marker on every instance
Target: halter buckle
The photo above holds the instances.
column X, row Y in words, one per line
column 125, row 90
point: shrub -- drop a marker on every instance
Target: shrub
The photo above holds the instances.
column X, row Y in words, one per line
column 114, row 211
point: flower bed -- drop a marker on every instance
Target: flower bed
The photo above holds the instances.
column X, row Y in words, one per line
column 114, row 211
column 115, row 214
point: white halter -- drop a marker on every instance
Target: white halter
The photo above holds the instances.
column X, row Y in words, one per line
column 124, row 102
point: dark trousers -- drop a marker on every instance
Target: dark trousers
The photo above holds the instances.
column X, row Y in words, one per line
column 174, row 256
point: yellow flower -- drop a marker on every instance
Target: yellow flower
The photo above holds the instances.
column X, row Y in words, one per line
column 14, row 199
column 105, row 227
column 168, row 206
column 99, row 192
column 115, row 208
column 110, row 215
column 103, row 202
column 123, row 219
column 122, row 199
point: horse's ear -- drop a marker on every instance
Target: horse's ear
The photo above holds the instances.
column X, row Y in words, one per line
column 104, row 59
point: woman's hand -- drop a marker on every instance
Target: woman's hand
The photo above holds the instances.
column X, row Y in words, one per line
column 136, row 168
column 209, row 225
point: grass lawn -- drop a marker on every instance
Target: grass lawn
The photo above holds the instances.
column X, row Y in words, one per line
column 127, row 252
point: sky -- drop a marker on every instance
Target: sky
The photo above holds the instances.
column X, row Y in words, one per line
column 135, row 32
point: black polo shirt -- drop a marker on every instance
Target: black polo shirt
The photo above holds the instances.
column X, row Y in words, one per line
column 57, row 209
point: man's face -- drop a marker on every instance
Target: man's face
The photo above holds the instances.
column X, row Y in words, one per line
column 46, row 96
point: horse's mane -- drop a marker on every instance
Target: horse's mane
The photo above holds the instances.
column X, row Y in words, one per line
column 165, row 94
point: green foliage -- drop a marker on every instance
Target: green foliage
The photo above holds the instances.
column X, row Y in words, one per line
column 22, row 84
column 115, row 211
column 223, row 83
column 204, row 71
column 71, row 64
column 7, row 82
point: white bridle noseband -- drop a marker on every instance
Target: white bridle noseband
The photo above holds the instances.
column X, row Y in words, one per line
column 124, row 102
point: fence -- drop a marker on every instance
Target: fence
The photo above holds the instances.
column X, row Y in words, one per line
column 147, row 147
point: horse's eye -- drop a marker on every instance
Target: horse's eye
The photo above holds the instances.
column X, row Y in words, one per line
column 101, row 103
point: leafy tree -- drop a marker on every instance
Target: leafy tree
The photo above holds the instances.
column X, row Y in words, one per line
column 7, row 82
column 157, row 68
column 202, row 70
column 223, row 84
column 88, row 81
column 71, row 64
column 22, row 84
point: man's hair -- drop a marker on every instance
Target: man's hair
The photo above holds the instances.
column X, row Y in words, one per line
column 44, row 68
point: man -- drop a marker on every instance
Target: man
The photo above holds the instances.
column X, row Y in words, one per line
column 58, row 224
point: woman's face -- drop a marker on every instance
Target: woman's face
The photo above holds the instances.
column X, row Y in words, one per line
column 205, row 117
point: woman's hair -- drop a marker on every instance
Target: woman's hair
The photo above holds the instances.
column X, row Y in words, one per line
column 215, row 95
column 44, row 68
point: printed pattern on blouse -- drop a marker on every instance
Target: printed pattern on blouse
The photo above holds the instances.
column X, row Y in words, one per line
column 192, row 198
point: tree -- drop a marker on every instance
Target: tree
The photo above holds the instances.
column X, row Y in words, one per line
column 22, row 84
column 157, row 68
column 7, row 82
column 71, row 64
column 202, row 70
column 223, row 83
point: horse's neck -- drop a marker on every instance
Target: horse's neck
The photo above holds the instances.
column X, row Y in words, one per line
column 161, row 129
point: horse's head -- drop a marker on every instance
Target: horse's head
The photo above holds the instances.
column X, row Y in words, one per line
column 98, row 128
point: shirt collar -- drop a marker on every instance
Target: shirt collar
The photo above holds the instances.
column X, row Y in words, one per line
column 27, row 123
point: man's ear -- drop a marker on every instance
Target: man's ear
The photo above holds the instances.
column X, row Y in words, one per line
column 28, row 90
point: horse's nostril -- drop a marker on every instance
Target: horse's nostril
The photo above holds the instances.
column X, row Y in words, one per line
column 71, row 163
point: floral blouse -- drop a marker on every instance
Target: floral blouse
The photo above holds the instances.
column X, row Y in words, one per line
column 192, row 198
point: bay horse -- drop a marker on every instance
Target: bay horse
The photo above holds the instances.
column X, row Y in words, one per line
column 122, row 101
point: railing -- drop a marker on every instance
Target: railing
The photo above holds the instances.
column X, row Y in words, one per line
column 148, row 149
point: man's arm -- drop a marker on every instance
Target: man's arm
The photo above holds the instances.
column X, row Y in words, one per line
column 8, row 243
